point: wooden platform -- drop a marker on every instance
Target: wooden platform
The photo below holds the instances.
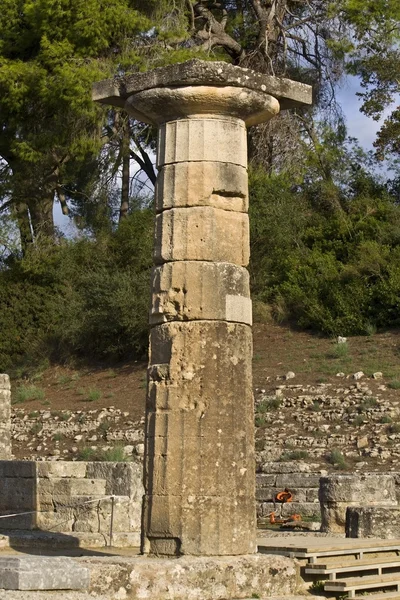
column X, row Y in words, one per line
column 345, row 565
column 314, row 548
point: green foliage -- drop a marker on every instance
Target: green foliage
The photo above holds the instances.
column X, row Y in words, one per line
column 331, row 263
column 85, row 298
column 374, row 57
column 27, row 393
column 317, row 587
column 115, row 454
column 367, row 404
column 386, row 419
column 268, row 405
column 92, row 395
column 336, row 458
column 394, row 428
column 339, row 351
column 294, row 455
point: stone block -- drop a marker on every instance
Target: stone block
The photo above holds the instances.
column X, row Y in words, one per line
column 187, row 291
column 17, row 494
column 305, row 509
column 264, row 480
column 202, row 233
column 197, row 578
column 5, row 417
column 65, row 486
column 24, row 521
column 122, row 479
column 197, row 371
column 286, row 467
column 42, row 573
column 162, row 105
column 313, row 495
column 206, row 139
column 115, row 91
column 373, row 522
column 337, row 492
column 218, row 184
column 17, row 468
column 49, row 470
column 5, row 382
column 301, row 480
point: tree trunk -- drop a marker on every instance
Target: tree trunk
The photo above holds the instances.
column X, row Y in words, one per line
column 41, row 211
column 125, row 189
column 24, row 225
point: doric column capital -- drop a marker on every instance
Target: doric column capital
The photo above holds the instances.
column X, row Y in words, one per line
column 199, row 87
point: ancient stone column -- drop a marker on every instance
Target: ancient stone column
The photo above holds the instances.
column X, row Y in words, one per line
column 199, row 463
column 5, row 417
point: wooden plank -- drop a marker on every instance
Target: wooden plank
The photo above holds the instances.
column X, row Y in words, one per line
column 383, row 596
column 362, row 583
column 316, row 546
column 357, row 565
column 377, row 560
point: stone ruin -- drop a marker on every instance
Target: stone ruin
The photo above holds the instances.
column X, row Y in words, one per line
column 5, row 417
column 199, row 460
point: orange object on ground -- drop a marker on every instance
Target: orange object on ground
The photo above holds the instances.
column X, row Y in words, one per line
column 284, row 496
column 273, row 520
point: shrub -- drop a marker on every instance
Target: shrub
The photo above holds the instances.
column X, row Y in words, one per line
column 294, row 455
column 115, row 454
column 27, row 393
column 336, row 458
column 83, row 298
column 268, row 405
column 394, row 384
column 367, row 404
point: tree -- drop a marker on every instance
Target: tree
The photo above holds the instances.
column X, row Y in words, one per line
column 50, row 54
column 374, row 56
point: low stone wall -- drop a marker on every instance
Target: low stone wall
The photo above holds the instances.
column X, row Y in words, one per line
column 373, row 522
column 5, row 417
column 338, row 492
column 72, row 497
column 298, row 478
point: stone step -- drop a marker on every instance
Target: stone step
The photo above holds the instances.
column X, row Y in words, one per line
column 354, row 584
column 42, row 573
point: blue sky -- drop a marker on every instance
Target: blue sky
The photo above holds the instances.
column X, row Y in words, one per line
column 358, row 125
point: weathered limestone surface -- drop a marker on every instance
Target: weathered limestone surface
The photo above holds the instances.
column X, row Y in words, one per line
column 289, row 93
column 373, row 522
column 216, row 139
column 337, row 492
column 218, row 184
column 186, row 290
column 42, row 573
column 199, row 463
column 5, row 417
column 205, row 500
column 197, row 578
column 202, row 233
column 72, row 497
